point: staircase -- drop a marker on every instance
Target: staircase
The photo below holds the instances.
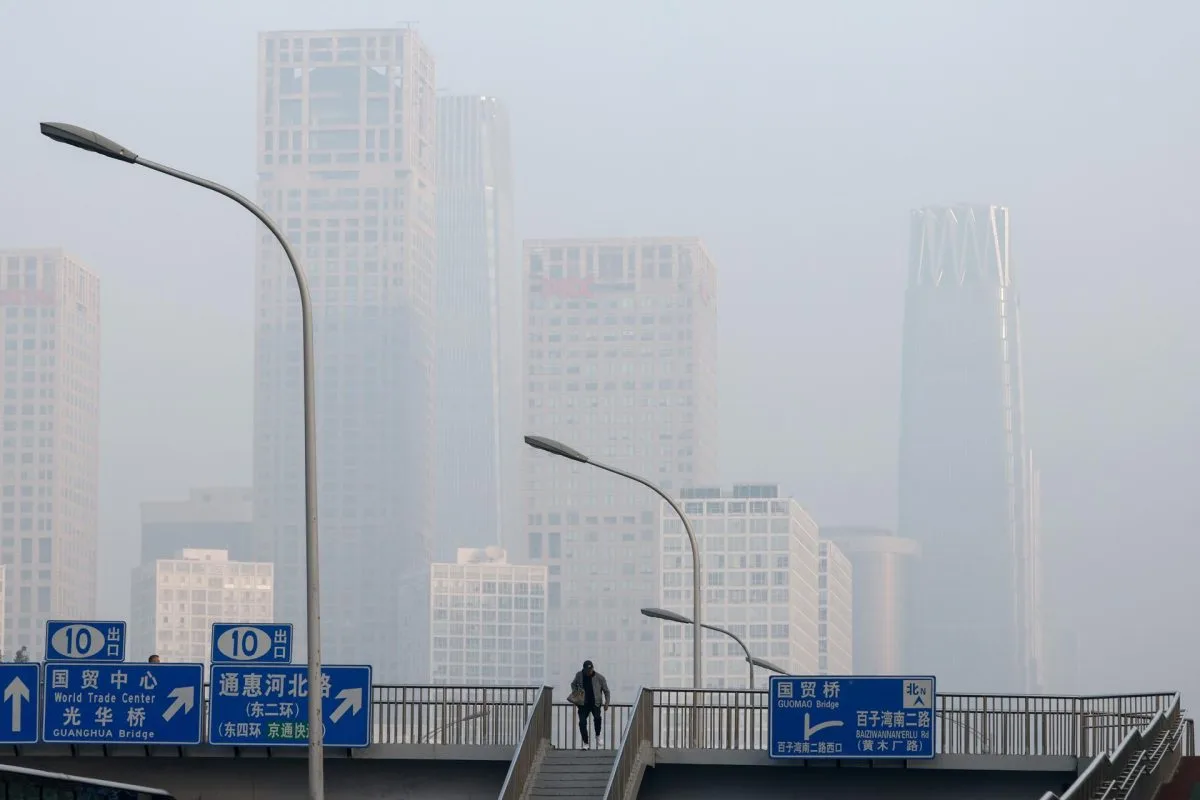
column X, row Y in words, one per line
column 577, row 774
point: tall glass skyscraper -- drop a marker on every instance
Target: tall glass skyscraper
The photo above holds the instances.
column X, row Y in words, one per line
column 478, row 328
column 347, row 164
column 967, row 487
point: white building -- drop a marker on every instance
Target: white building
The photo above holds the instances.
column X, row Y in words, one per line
column 49, row 452
column 835, row 612
column 759, row 560
column 621, row 362
column 488, row 620
column 177, row 600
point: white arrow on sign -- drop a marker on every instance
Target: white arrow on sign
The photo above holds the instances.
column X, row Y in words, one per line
column 810, row 729
column 184, row 697
column 352, row 701
column 16, row 693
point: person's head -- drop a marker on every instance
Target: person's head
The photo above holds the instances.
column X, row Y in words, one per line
column 154, row 659
column 589, row 668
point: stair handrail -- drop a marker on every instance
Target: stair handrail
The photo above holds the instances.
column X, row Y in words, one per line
column 634, row 751
column 1107, row 767
column 535, row 739
column 1161, row 762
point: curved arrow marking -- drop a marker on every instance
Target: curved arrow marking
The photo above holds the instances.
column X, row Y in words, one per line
column 16, row 693
column 810, row 729
column 352, row 701
column 184, row 697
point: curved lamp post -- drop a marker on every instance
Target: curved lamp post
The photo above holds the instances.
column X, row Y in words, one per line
column 671, row 616
column 559, row 449
column 93, row 142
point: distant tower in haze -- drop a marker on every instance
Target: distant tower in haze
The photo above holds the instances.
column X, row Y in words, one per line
column 347, row 164
column 50, row 304
column 965, row 484
column 478, row 328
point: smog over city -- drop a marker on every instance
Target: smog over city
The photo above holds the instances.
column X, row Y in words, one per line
column 881, row 312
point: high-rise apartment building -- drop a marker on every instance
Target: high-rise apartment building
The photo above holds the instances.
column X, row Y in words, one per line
column 966, row 489
column 347, row 165
column 620, row 362
column 478, row 327
column 881, row 560
column 177, row 600
column 488, row 620
column 835, row 612
column 219, row 518
column 760, row 565
column 49, row 453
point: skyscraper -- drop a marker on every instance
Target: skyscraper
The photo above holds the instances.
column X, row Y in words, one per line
column 965, row 488
column 478, row 327
column 347, row 164
column 49, row 454
column 620, row 362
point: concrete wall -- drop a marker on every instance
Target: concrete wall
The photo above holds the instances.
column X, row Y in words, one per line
column 286, row 778
column 694, row 782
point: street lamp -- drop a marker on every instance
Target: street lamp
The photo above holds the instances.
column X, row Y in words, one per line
column 93, row 142
column 560, row 449
column 671, row 616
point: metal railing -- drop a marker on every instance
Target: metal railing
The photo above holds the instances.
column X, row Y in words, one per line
column 736, row 719
column 963, row 724
column 565, row 729
column 535, row 740
column 634, row 750
column 1134, row 770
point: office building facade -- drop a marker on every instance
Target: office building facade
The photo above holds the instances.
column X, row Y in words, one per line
column 478, row 327
column 881, row 560
column 965, row 488
column 760, row 556
column 835, row 612
column 49, row 452
column 620, row 362
column 347, row 165
column 217, row 518
column 175, row 602
column 488, row 622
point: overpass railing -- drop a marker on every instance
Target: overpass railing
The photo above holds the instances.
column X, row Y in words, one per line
column 736, row 719
column 535, row 739
column 633, row 752
column 1145, row 759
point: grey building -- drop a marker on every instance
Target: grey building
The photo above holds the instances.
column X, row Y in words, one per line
column 220, row 518
column 347, row 163
column 966, row 487
column 478, row 328
column 881, row 561
column 621, row 363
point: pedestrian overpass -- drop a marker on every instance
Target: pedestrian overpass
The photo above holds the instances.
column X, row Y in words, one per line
column 516, row 743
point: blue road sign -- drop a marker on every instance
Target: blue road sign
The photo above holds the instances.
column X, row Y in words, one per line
column 123, row 703
column 844, row 716
column 251, row 643
column 72, row 640
column 268, row 705
column 19, row 712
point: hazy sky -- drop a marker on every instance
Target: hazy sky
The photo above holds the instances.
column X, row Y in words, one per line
column 794, row 137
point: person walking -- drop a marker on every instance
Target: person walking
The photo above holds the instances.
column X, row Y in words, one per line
column 589, row 691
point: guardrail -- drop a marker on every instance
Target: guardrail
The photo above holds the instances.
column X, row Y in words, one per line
column 535, row 740
column 1139, row 765
column 634, row 750
column 737, row 719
